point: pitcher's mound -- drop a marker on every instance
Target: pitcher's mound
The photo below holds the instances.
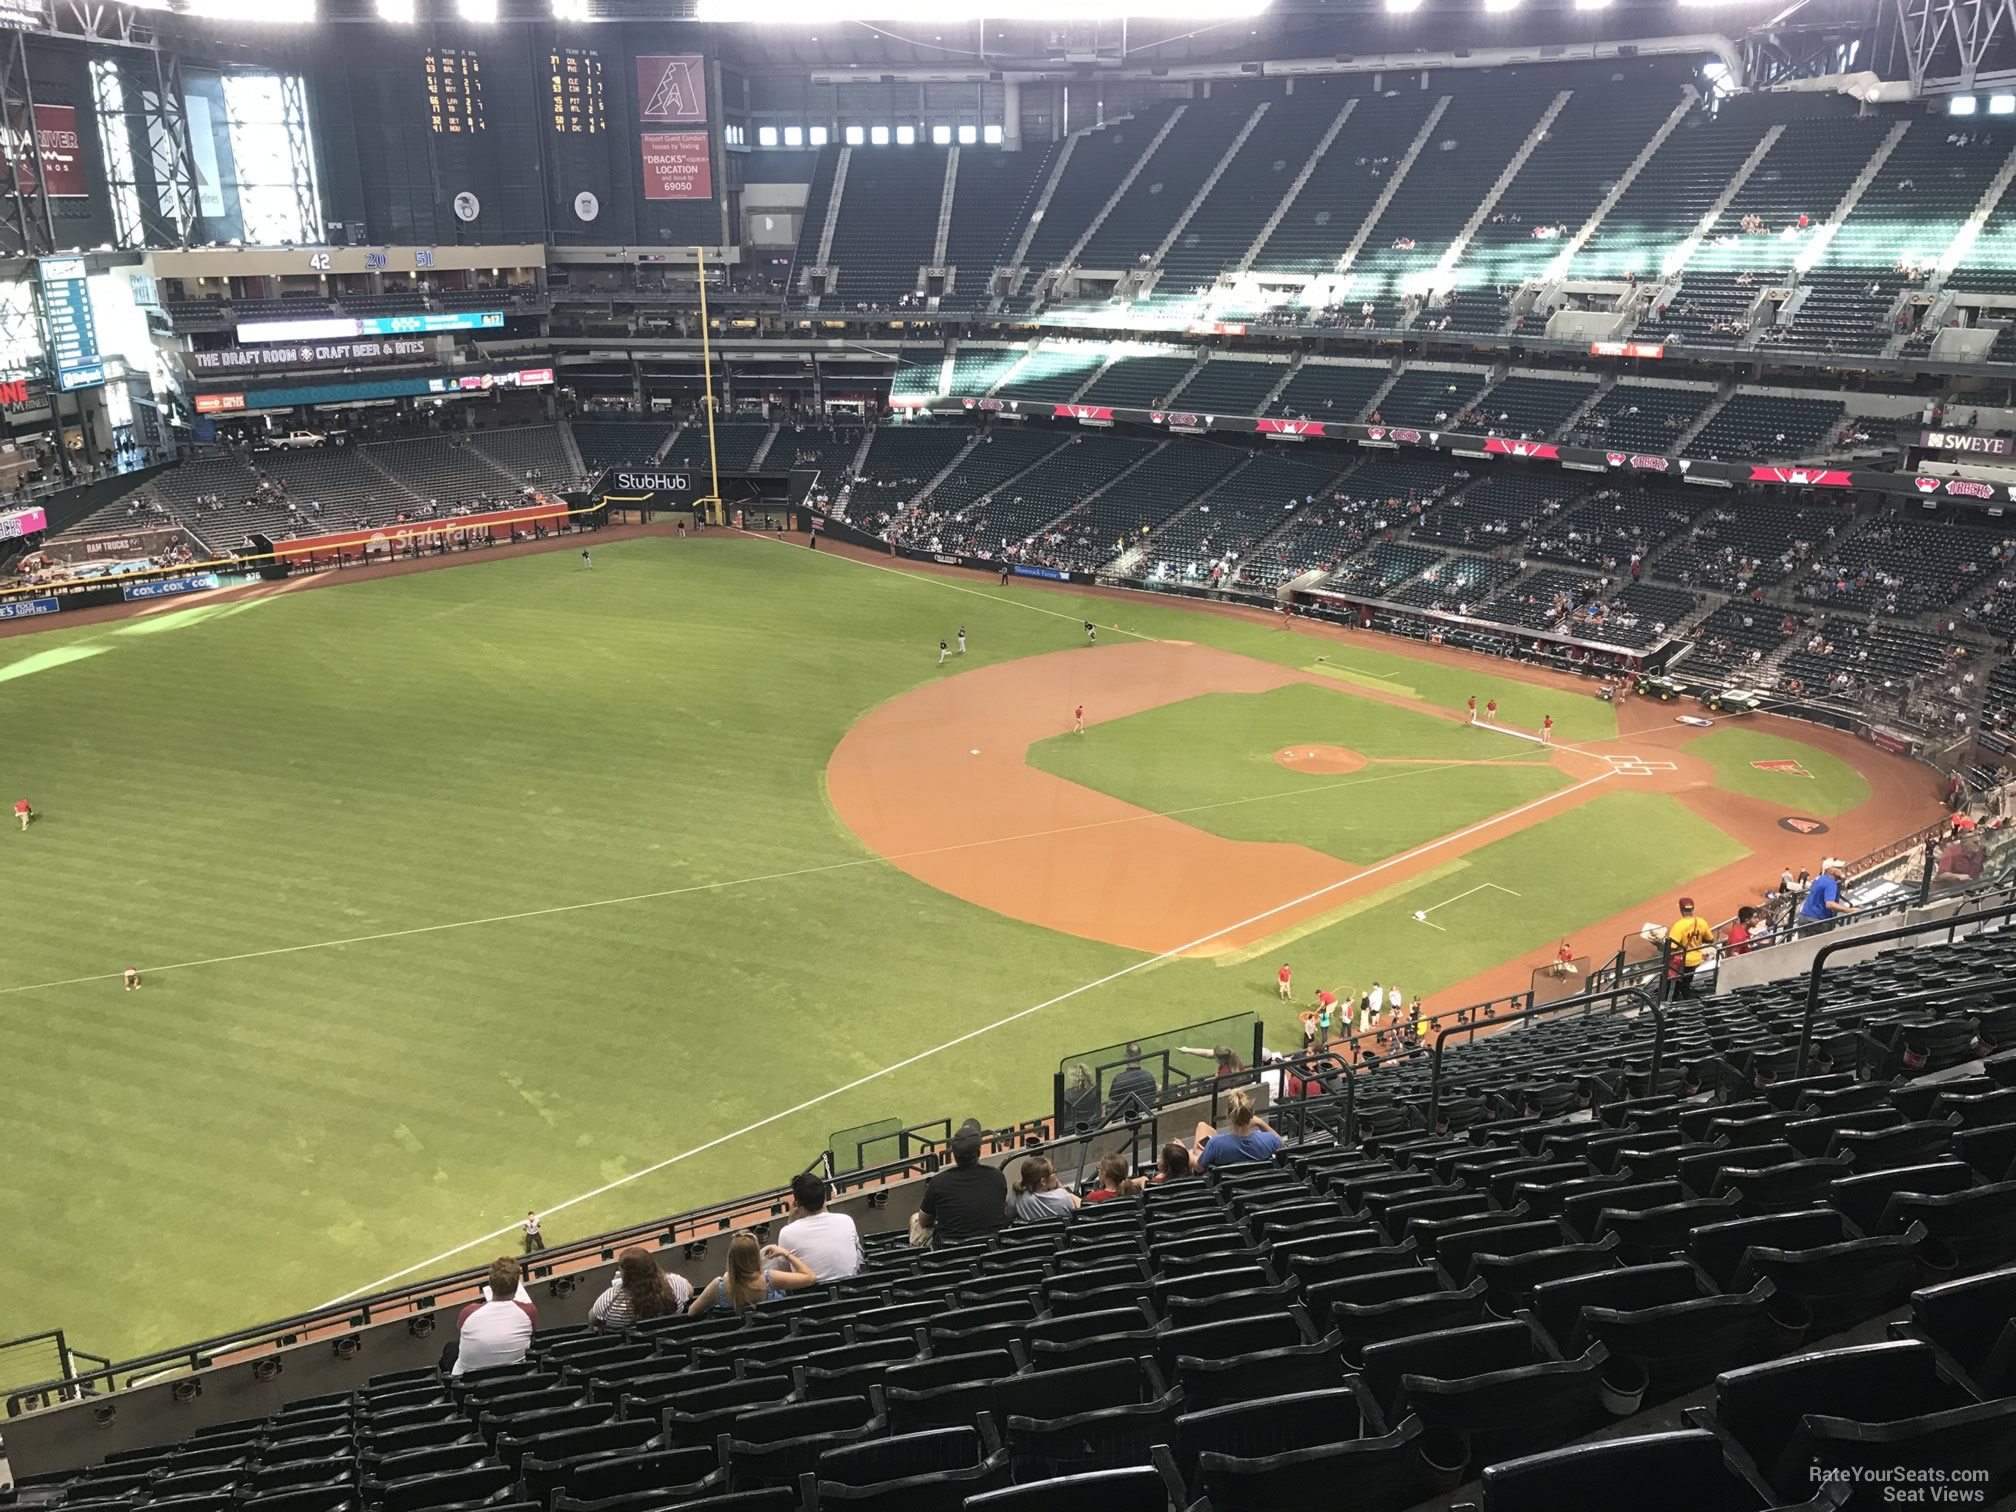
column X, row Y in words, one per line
column 1320, row 760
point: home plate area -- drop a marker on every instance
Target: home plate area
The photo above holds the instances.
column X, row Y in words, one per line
column 1638, row 766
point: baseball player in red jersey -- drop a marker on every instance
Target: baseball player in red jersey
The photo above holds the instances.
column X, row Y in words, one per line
column 1287, row 984
column 1547, row 730
column 1491, row 711
column 23, row 812
column 1078, row 720
column 1473, row 708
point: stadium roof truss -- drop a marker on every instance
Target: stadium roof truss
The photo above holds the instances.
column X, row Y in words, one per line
column 1943, row 46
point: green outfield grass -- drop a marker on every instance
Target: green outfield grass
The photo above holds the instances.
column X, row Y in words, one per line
column 1832, row 786
column 1198, row 754
column 492, row 886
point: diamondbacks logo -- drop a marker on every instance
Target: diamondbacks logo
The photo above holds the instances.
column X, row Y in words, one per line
column 1615, row 459
column 1649, row 464
column 1376, row 432
column 1411, row 437
column 671, row 87
column 1927, row 485
column 1786, row 767
column 1968, row 488
column 1799, row 824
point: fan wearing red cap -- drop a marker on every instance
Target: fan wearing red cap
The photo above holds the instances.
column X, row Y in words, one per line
column 1687, row 942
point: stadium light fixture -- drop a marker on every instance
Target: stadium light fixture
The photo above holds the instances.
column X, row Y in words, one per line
column 481, row 12
column 2002, row 104
column 940, row 12
column 1960, row 105
column 570, row 10
column 401, row 12
column 271, row 12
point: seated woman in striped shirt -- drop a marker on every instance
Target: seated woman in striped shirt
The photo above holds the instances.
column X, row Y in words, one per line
column 637, row 1291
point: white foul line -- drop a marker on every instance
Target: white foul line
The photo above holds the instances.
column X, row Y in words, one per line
column 973, row 1034
column 782, row 876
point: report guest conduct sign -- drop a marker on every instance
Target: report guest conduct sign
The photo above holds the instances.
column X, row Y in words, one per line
column 677, row 165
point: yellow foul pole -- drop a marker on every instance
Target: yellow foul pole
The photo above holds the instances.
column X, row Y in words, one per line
column 707, row 382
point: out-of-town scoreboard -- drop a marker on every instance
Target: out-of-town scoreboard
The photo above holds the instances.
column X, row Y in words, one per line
column 455, row 92
column 73, row 332
column 576, row 103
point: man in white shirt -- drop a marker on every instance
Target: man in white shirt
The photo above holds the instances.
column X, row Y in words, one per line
column 827, row 1242
column 499, row 1329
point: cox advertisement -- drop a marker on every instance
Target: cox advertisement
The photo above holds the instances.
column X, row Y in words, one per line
column 189, row 582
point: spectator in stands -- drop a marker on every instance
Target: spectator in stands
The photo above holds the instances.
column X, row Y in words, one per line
column 1039, row 1196
column 1249, row 1140
column 1736, row 939
column 1962, row 861
column 1174, row 1163
column 1688, row 940
column 756, row 1273
column 828, row 1242
column 1824, row 905
column 967, row 1200
column 1135, row 1088
column 638, row 1290
column 1081, row 1099
column 498, row 1330
column 1114, row 1180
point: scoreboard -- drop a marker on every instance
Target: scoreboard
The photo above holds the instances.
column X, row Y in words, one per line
column 455, row 92
column 73, row 332
column 578, row 106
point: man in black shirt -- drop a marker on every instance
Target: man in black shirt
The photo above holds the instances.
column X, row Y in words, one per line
column 966, row 1200
column 1135, row 1089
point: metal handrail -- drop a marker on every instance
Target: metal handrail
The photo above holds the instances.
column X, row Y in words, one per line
column 1952, row 922
column 1645, row 1001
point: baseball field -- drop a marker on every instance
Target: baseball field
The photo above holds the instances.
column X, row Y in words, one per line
column 612, row 891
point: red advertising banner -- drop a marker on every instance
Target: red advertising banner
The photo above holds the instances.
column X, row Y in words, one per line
column 57, row 148
column 672, row 88
column 1626, row 349
column 1090, row 414
column 409, row 534
column 1803, row 477
column 217, row 404
column 1545, row 450
column 1290, row 427
column 677, row 166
